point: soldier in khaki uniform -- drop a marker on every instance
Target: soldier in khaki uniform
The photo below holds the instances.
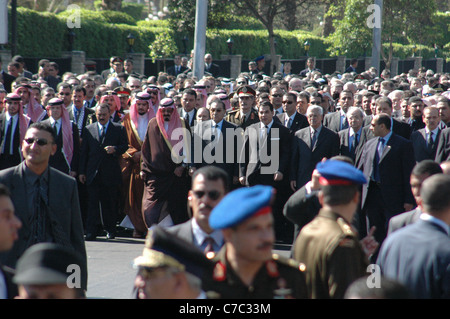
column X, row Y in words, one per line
column 328, row 245
column 245, row 267
column 247, row 114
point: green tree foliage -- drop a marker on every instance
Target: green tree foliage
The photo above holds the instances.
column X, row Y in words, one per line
column 163, row 47
column 403, row 21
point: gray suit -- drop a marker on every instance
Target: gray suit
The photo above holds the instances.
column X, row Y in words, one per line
column 406, row 218
column 63, row 213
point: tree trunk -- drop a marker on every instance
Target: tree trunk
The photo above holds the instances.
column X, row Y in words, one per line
column 273, row 66
column 291, row 22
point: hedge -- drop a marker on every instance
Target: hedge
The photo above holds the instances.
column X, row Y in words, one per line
column 103, row 34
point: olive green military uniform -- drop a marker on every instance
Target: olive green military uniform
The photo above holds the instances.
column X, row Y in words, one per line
column 278, row 278
column 333, row 256
column 236, row 118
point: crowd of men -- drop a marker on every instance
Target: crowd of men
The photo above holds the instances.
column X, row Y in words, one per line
column 214, row 171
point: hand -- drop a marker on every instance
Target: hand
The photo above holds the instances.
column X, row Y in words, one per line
column 369, row 244
column 82, row 178
column 192, row 170
column 73, row 174
column 294, row 185
column 179, row 171
column 408, row 207
column 278, row 176
column 242, row 180
column 137, row 157
column 315, row 184
column 110, row 149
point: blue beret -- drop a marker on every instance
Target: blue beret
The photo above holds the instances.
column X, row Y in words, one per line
column 335, row 172
column 259, row 58
column 240, row 205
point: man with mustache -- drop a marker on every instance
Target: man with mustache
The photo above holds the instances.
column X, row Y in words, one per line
column 209, row 185
column 164, row 167
column 245, row 267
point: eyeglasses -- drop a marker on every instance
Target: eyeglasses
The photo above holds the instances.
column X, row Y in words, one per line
column 39, row 141
column 287, row 102
column 214, row 195
column 67, row 93
column 276, row 95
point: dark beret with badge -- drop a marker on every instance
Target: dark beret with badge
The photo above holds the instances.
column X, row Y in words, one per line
column 46, row 264
column 167, row 250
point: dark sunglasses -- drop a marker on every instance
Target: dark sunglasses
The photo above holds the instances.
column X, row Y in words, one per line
column 276, row 95
column 214, row 195
column 39, row 141
column 287, row 102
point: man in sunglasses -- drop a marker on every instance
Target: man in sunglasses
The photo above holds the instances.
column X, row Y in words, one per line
column 46, row 200
column 209, row 185
column 292, row 119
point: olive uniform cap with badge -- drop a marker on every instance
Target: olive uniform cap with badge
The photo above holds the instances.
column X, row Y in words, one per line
column 278, row 278
column 328, row 245
column 236, row 117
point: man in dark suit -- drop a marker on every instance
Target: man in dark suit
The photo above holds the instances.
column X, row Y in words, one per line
column 102, row 145
column 209, row 186
column 420, row 173
column 211, row 67
column 384, row 105
column 116, row 66
column 177, row 68
column 265, row 161
column 416, row 107
column 353, row 138
column 310, row 67
column 387, row 161
column 290, row 118
column 9, row 227
column 426, row 140
column 6, row 79
column 337, row 121
column 214, row 143
column 188, row 111
column 418, row 255
column 67, row 153
column 309, row 146
column 46, row 200
column 257, row 167
column 352, row 67
column 13, row 125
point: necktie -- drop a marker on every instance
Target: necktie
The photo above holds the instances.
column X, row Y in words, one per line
column 355, row 141
column 313, row 139
column 209, row 245
column 7, row 148
column 102, row 133
column 376, row 161
column 344, row 123
column 215, row 132
column 430, row 141
column 289, row 123
column 186, row 117
column 39, row 235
